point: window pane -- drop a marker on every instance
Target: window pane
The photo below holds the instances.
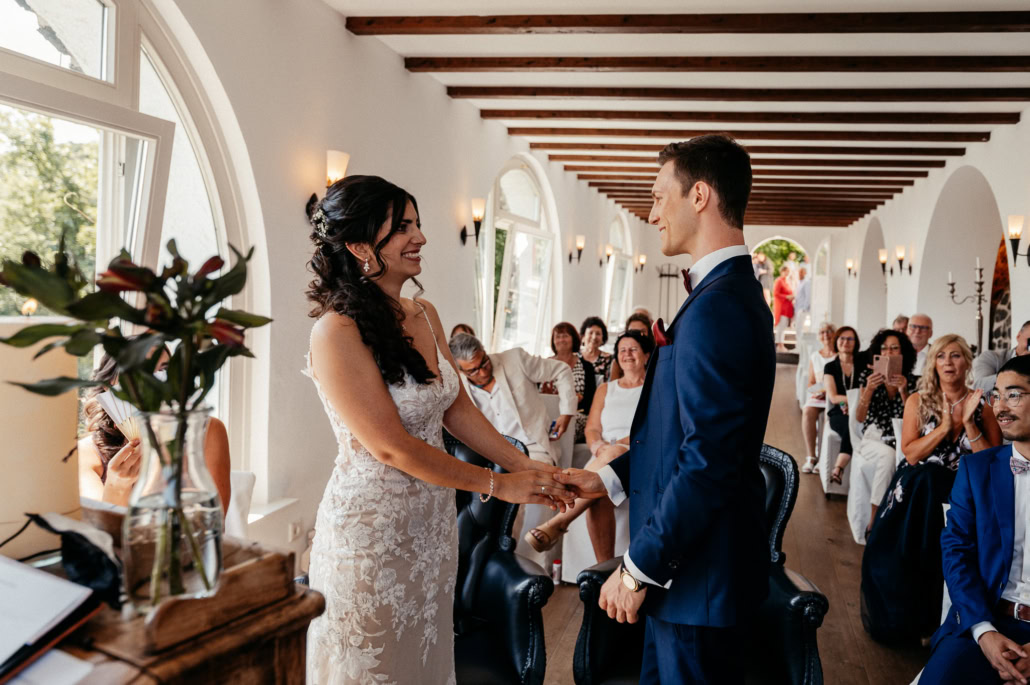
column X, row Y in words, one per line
column 65, row 33
column 530, row 257
column 48, row 182
column 519, row 195
column 615, row 237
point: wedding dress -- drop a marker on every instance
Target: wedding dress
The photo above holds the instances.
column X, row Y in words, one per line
column 385, row 555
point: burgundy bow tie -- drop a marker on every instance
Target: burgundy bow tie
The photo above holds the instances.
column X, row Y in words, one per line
column 686, row 281
column 1019, row 466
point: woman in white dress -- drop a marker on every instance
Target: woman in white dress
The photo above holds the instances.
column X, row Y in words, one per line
column 816, row 402
column 606, row 532
column 385, row 547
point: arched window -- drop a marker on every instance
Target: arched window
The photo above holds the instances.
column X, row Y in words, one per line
column 618, row 281
column 516, row 262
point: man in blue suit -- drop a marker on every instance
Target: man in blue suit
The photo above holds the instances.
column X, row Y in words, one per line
column 985, row 550
column 697, row 564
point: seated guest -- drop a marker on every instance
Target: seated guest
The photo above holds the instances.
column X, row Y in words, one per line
column 462, row 328
column 504, row 387
column 986, row 637
column 986, row 365
column 783, row 304
column 839, row 376
column 109, row 465
column 593, row 334
column 900, row 324
column 881, row 401
column 608, row 436
column 639, row 322
column 803, row 298
column 565, row 344
column 641, row 309
column 901, row 568
column 919, row 332
column 816, row 402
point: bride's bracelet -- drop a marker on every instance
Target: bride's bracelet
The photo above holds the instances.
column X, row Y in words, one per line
column 486, row 497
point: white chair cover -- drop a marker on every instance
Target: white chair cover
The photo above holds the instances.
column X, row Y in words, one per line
column 236, row 515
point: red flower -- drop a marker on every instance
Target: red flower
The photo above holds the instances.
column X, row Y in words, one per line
column 122, row 275
column 225, row 333
column 661, row 338
column 210, row 266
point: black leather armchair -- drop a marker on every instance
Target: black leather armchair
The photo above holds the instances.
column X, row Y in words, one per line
column 609, row 653
column 499, row 629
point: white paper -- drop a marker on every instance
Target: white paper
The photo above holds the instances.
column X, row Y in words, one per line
column 31, row 603
column 54, row 668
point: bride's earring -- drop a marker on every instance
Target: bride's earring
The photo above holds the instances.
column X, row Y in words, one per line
column 366, row 267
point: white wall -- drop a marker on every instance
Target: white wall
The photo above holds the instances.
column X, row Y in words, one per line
column 949, row 219
column 298, row 84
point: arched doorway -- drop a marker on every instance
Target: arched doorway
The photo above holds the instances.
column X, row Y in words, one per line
column 872, row 286
column 966, row 215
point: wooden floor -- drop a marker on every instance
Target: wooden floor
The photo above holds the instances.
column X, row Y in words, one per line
column 817, row 544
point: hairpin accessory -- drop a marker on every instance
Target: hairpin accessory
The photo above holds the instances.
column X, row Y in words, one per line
column 366, row 267
column 320, row 222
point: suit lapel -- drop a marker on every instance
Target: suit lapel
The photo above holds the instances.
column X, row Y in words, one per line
column 501, row 379
column 1004, row 500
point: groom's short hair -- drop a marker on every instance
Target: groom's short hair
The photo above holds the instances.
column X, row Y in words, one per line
column 719, row 161
column 1020, row 365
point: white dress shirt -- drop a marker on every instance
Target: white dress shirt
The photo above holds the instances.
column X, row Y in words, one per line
column 497, row 407
column 1017, row 589
column 917, row 369
column 612, row 484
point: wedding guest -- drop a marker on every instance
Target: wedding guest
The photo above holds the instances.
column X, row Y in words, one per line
column 900, row 324
column 839, row 376
column 593, row 334
column 793, row 266
column 641, row 309
column 109, row 465
column 462, row 328
column 783, row 305
column 987, row 364
column 920, row 331
column 765, row 276
column 944, row 421
column 985, row 637
column 881, row 401
column 640, row 322
column 815, row 404
column 608, row 437
column 803, row 296
column 565, row 344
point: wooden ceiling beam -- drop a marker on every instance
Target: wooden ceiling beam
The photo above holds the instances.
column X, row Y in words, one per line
column 747, row 23
column 861, row 173
column 767, row 161
column 752, row 149
column 749, row 117
column 681, row 134
column 745, row 94
column 728, row 63
column 894, row 183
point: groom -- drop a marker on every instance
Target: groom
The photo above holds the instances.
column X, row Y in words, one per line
column 697, row 564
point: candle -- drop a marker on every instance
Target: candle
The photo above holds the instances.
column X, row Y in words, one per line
column 977, row 262
column 950, row 279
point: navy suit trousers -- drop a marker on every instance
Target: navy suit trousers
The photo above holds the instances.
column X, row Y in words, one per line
column 676, row 654
column 958, row 660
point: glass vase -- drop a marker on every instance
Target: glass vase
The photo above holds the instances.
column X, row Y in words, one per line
column 172, row 535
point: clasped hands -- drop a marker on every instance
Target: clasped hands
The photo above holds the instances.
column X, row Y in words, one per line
column 1010, row 659
column 542, row 483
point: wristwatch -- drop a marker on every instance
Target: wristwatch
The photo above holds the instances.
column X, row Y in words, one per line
column 631, row 583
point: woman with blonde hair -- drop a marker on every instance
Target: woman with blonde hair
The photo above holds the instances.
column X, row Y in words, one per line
column 944, row 420
column 816, row 402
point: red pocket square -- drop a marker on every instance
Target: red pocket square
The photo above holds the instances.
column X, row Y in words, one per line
column 660, row 337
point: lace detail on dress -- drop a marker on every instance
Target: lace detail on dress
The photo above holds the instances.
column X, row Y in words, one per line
column 385, row 555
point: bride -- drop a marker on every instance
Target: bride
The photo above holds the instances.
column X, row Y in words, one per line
column 385, row 547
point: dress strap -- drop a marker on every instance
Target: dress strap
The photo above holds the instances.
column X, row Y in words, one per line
column 435, row 343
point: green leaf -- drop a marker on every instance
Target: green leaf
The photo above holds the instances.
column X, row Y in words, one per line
column 49, row 288
column 82, row 343
column 102, row 306
column 231, row 283
column 150, row 393
column 57, row 386
column 137, row 351
column 241, row 318
column 30, row 335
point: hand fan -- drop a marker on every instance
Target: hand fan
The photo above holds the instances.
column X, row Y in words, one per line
column 122, row 413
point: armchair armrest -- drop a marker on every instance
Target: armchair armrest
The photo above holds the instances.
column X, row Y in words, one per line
column 604, row 647
column 787, row 623
column 511, row 592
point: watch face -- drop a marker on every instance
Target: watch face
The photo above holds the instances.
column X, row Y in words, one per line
column 629, row 581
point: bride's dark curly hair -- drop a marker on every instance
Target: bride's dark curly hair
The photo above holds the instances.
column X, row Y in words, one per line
column 352, row 212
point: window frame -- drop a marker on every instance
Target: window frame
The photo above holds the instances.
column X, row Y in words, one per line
column 623, row 255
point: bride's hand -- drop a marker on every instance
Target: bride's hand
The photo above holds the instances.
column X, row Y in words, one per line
column 533, row 487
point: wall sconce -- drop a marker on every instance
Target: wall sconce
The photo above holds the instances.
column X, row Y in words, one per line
column 642, row 259
column 899, row 252
column 608, row 252
column 478, row 212
column 1015, row 233
column 29, row 307
column 883, row 260
column 335, row 166
column 581, row 242
column 850, row 263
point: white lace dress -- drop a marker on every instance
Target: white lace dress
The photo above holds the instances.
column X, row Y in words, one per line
column 385, row 555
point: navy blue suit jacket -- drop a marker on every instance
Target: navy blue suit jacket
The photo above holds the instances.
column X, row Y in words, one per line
column 697, row 496
column 976, row 544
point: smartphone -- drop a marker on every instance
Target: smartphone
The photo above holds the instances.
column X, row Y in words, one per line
column 887, row 364
column 553, row 430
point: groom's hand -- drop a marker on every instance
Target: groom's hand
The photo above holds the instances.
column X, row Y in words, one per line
column 621, row 603
column 586, row 484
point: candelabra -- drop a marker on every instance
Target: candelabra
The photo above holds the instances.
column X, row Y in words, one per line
column 979, row 298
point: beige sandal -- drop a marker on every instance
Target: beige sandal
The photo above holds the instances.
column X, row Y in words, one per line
column 542, row 541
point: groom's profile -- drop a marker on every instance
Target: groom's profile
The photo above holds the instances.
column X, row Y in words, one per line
column 697, row 563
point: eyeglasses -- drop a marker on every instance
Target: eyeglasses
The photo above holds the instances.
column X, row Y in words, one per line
column 918, row 327
column 1012, row 398
column 482, row 365
column 845, row 338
